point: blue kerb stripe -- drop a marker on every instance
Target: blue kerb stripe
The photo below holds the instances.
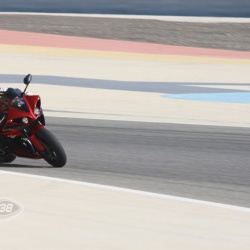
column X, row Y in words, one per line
column 236, row 97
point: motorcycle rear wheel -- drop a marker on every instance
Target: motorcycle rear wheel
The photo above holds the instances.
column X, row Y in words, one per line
column 54, row 153
column 8, row 158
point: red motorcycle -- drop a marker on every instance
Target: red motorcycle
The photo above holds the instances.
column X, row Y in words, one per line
column 22, row 129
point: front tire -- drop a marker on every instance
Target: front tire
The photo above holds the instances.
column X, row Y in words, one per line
column 54, row 153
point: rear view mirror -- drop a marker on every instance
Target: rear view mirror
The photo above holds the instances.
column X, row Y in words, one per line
column 27, row 79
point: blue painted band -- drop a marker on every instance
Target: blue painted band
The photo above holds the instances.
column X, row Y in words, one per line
column 236, row 97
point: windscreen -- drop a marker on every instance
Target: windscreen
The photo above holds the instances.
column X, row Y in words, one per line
column 14, row 98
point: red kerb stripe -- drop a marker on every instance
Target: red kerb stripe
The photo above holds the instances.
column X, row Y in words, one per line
column 70, row 42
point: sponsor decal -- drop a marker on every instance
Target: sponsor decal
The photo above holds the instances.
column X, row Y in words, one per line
column 9, row 208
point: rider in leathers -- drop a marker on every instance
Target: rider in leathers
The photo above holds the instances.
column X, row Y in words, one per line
column 3, row 108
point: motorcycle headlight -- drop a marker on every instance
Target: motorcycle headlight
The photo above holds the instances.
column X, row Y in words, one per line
column 36, row 111
column 25, row 120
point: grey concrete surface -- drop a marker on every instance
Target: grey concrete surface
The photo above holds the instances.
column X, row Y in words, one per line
column 233, row 36
column 70, row 215
column 199, row 162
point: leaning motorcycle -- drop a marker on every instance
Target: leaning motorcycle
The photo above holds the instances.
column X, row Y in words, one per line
column 22, row 129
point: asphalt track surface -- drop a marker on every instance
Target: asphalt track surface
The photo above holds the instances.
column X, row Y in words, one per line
column 200, row 162
column 232, row 36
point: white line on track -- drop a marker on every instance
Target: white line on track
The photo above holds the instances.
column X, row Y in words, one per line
column 190, row 19
column 131, row 191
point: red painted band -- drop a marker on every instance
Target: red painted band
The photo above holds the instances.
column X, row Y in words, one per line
column 70, row 42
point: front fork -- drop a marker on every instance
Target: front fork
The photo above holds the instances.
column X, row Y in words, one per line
column 31, row 136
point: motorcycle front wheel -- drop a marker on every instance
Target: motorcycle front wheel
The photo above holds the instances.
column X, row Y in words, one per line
column 54, row 153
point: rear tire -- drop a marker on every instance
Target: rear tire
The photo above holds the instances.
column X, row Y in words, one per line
column 54, row 153
column 8, row 158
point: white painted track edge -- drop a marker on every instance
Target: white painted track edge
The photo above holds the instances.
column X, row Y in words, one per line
column 131, row 191
column 192, row 19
